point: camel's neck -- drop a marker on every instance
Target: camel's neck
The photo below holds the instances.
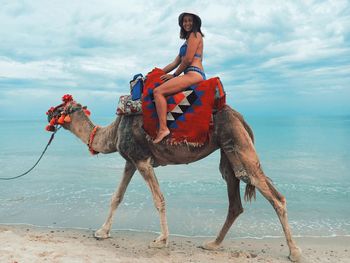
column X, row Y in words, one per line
column 105, row 140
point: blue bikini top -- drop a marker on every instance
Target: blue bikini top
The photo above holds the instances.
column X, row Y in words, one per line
column 183, row 50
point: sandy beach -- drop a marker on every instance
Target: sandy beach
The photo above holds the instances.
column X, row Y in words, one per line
column 33, row 244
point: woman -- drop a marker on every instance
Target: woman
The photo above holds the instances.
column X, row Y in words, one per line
column 188, row 61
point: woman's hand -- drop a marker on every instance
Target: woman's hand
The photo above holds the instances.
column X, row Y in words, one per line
column 166, row 77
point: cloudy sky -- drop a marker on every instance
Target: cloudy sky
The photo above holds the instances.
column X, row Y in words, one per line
column 273, row 57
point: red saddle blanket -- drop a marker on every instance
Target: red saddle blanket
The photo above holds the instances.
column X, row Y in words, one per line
column 189, row 112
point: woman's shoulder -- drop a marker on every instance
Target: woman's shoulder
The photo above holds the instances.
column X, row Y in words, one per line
column 196, row 35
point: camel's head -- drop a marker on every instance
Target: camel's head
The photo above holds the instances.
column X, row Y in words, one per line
column 61, row 114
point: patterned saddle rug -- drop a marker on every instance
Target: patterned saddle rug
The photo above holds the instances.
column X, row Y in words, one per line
column 189, row 112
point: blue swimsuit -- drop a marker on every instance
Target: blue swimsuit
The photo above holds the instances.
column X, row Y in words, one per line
column 182, row 53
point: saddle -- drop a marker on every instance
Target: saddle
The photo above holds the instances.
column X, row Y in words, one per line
column 189, row 116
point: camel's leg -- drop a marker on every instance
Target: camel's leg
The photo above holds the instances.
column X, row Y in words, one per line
column 279, row 204
column 240, row 151
column 129, row 170
column 235, row 205
column 146, row 170
column 256, row 177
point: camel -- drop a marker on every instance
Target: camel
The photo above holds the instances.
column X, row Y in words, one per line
column 238, row 162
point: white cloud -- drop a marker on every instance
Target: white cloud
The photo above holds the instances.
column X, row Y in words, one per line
column 97, row 46
column 39, row 70
column 301, row 51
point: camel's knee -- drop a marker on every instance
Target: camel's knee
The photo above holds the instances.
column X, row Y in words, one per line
column 274, row 192
column 239, row 211
column 277, row 200
column 280, row 208
column 235, row 211
column 160, row 204
column 282, row 200
column 281, row 204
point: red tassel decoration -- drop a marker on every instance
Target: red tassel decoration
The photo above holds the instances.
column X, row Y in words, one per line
column 61, row 119
column 50, row 128
column 53, row 121
column 67, row 98
column 67, row 119
column 87, row 112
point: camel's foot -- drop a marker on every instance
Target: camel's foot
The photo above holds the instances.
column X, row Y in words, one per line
column 211, row 245
column 159, row 242
column 295, row 254
column 101, row 234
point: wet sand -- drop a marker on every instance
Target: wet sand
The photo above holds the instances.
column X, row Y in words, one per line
column 32, row 244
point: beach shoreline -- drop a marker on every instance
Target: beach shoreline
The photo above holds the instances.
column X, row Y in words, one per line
column 25, row 243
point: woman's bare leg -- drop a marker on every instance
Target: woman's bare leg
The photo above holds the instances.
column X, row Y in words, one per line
column 172, row 86
column 161, row 107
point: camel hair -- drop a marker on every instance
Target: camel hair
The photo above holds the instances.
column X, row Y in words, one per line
column 238, row 162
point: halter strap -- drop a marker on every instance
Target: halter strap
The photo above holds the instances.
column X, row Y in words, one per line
column 91, row 139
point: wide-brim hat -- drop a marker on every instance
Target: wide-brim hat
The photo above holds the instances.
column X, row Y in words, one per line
column 196, row 17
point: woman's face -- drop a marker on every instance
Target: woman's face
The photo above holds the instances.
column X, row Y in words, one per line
column 187, row 23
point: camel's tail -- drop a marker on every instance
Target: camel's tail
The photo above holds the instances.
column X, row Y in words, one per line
column 250, row 193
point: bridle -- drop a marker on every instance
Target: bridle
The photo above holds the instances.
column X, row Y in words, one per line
column 57, row 116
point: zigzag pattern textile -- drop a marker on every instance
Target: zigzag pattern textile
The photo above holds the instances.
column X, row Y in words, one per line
column 189, row 112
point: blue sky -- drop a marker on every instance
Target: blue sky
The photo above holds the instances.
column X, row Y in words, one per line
column 273, row 57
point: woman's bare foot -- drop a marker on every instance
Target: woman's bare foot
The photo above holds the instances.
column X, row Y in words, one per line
column 161, row 135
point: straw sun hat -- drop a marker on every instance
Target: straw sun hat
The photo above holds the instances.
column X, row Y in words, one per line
column 196, row 17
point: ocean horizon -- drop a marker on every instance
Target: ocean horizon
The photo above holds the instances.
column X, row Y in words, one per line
column 307, row 158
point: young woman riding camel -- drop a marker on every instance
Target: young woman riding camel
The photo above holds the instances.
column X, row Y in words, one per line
column 188, row 61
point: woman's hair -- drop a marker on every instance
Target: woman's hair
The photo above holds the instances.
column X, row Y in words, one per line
column 196, row 27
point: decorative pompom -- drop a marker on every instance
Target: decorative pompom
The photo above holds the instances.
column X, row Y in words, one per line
column 53, row 121
column 50, row 110
column 50, row 128
column 67, row 119
column 67, row 98
column 87, row 112
column 61, row 119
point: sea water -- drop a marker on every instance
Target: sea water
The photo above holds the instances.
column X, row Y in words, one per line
column 308, row 159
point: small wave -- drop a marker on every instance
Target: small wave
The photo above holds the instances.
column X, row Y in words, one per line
column 172, row 234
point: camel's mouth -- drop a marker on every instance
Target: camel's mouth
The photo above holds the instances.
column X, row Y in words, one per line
column 60, row 114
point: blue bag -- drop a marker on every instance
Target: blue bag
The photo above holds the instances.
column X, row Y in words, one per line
column 136, row 86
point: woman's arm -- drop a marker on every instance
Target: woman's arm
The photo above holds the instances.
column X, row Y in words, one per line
column 192, row 45
column 172, row 65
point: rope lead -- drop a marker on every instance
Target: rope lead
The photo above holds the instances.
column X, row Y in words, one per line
column 42, row 154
